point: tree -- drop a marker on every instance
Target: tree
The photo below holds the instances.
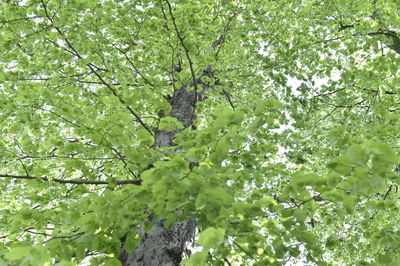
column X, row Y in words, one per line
column 244, row 132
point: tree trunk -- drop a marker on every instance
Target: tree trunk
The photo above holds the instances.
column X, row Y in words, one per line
column 162, row 246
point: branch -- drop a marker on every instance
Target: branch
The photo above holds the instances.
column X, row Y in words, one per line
column 391, row 34
column 94, row 70
column 53, row 157
column 136, row 70
column 227, row 261
column 242, row 249
column 343, row 27
column 328, row 93
column 76, row 182
column 122, row 158
column 74, row 236
column 51, row 19
column 228, row 98
column 329, row 40
column 120, row 99
column 18, row 19
column 222, row 38
column 130, row 62
column 52, row 112
column 35, row 233
column 183, row 45
column 388, row 191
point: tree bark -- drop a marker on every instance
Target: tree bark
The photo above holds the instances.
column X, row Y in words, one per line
column 162, row 246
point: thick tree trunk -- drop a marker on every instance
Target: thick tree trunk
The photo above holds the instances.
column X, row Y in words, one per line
column 162, row 246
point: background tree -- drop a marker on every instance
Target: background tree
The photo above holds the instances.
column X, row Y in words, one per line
column 247, row 132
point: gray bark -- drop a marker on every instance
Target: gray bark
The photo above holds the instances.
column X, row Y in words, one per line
column 162, row 246
column 183, row 109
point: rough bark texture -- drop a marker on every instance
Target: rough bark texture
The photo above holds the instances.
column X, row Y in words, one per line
column 162, row 246
column 183, row 107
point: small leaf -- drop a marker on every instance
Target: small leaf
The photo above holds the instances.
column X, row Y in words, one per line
column 112, row 262
column 132, row 241
column 18, row 253
column 211, row 237
column 201, row 201
column 196, row 259
column 169, row 123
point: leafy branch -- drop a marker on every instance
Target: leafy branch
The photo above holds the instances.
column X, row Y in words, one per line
column 113, row 91
column 75, row 182
column 94, row 69
column 181, row 39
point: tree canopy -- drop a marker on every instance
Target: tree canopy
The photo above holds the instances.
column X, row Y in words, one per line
column 272, row 126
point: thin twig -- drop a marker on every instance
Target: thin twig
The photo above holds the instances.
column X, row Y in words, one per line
column 388, row 192
column 122, row 158
column 130, row 62
column 242, row 249
column 70, row 236
column 227, row 261
column 228, row 98
column 329, row 93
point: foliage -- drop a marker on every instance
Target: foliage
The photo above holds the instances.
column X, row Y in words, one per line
column 294, row 147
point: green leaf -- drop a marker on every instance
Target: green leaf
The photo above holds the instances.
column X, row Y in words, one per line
column 357, row 155
column 385, row 259
column 211, row 237
column 201, row 201
column 196, row 259
column 112, row 262
column 145, row 137
column 291, row 115
column 132, row 241
column 64, row 263
column 18, row 253
column 169, row 123
column 196, row 154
